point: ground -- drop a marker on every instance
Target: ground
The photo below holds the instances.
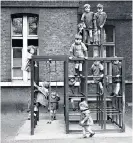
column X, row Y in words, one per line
column 11, row 122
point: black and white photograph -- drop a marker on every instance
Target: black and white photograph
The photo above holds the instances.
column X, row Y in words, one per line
column 66, row 71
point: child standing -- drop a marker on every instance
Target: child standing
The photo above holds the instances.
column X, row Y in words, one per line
column 99, row 21
column 87, row 19
column 78, row 50
column 53, row 104
column 86, row 120
column 116, row 73
column 97, row 70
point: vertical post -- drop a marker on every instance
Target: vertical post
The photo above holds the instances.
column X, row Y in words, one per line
column 86, row 79
column 32, row 97
column 123, row 95
column 66, row 95
column 104, row 100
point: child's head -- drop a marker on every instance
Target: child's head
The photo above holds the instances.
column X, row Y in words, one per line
column 45, row 84
column 31, row 49
column 116, row 61
column 100, row 7
column 53, row 94
column 96, row 62
column 87, row 8
column 72, row 79
column 78, row 39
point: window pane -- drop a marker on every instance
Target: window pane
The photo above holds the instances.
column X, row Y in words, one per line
column 17, row 53
column 108, row 34
column 17, row 62
column 17, row 43
column 109, row 51
column 33, row 42
column 17, row 24
column 17, row 73
column 32, row 21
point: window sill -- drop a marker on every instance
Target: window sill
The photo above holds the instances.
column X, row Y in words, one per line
column 18, row 83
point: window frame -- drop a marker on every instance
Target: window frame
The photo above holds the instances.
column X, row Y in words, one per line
column 25, row 37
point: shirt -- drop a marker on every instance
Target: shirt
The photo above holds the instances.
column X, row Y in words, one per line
column 87, row 18
column 116, row 69
column 78, row 50
column 97, row 69
column 100, row 18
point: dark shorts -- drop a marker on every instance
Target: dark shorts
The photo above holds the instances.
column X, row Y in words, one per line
column 97, row 79
column 116, row 79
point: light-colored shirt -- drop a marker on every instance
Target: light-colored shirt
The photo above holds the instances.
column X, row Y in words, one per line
column 100, row 18
column 78, row 50
column 87, row 18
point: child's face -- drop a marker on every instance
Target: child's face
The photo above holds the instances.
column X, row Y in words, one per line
column 87, row 9
column 116, row 62
column 32, row 51
column 100, row 9
column 78, row 41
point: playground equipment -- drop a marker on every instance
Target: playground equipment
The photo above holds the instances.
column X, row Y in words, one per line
column 35, row 78
column 108, row 110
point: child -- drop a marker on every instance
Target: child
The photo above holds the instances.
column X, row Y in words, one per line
column 97, row 70
column 30, row 52
column 99, row 21
column 78, row 50
column 81, row 26
column 72, row 82
column 53, row 104
column 86, row 120
column 116, row 72
column 87, row 19
column 42, row 96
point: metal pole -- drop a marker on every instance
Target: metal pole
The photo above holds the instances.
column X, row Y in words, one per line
column 32, row 97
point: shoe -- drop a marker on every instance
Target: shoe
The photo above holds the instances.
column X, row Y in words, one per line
column 112, row 94
column 84, row 136
column 74, row 109
column 92, row 134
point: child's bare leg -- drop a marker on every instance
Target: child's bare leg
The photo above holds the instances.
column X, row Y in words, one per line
column 54, row 114
column 73, row 105
column 84, row 132
column 99, row 36
column 51, row 115
column 90, row 34
column 117, row 88
column 101, row 87
column 80, row 69
column 76, row 68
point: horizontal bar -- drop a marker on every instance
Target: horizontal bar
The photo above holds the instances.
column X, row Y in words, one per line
column 50, row 58
column 97, row 58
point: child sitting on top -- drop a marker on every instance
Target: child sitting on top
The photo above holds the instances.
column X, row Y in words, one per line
column 86, row 120
column 78, row 50
column 97, row 70
column 30, row 52
column 53, row 105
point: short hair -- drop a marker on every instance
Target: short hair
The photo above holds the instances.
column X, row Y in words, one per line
column 87, row 5
column 77, row 36
column 46, row 84
column 100, row 5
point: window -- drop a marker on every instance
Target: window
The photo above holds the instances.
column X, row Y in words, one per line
column 109, row 41
column 24, row 32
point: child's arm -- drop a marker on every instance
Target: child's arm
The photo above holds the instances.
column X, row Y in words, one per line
column 71, row 51
column 58, row 98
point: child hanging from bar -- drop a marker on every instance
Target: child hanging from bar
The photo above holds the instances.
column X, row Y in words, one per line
column 53, row 105
column 116, row 73
column 42, row 95
column 71, row 83
column 31, row 50
column 78, row 50
column 97, row 70
column 86, row 120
